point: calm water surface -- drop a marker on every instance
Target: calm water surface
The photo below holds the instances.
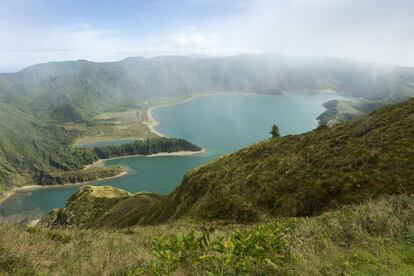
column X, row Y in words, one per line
column 220, row 124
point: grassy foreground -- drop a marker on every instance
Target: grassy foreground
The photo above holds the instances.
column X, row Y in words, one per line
column 374, row 238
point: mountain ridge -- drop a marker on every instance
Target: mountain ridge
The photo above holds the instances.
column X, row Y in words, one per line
column 45, row 95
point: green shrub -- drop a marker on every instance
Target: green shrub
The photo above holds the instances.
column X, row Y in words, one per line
column 260, row 250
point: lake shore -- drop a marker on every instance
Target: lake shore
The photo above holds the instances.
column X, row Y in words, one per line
column 247, row 99
column 177, row 153
column 12, row 192
column 152, row 123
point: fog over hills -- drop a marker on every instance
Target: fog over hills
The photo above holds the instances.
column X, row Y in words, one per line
column 206, row 137
column 93, row 87
column 37, row 97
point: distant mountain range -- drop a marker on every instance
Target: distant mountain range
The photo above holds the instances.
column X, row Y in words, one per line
column 35, row 99
column 89, row 87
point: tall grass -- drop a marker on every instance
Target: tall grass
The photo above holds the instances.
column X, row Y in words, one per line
column 374, row 238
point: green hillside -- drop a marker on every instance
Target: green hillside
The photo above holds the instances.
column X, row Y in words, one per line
column 295, row 175
column 101, row 206
column 301, row 174
column 44, row 155
column 374, row 238
column 318, row 203
column 46, row 107
column 29, row 146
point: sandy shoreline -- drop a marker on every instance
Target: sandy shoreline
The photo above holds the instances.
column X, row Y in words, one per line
column 10, row 193
column 176, row 153
column 38, row 187
column 151, row 123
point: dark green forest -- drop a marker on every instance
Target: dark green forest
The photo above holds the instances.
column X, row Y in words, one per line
column 146, row 147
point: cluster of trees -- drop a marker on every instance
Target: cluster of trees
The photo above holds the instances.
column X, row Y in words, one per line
column 70, row 161
column 45, row 178
column 146, row 147
column 68, row 158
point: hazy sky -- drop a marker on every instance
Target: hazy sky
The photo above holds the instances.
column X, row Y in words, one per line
column 33, row 31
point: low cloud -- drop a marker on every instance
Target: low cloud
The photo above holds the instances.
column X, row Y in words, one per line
column 191, row 43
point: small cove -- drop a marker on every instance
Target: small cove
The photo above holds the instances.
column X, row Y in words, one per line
column 221, row 124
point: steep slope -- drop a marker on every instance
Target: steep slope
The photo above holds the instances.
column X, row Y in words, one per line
column 34, row 101
column 50, row 160
column 295, row 175
column 342, row 111
column 89, row 203
column 28, row 147
column 374, row 238
column 302, row 174
column 101, row 207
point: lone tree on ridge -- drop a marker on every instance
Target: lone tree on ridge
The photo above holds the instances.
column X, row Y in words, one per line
column 275, row 131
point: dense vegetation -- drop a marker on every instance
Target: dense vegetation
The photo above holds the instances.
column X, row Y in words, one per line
column 71, row 160
column 374, row 238
column 29, row 148
column 37, row 101
column 146, row 147
column 101, row 206
column 95, row 200
column 79, row 176
column 262, row 250
column 35, row 152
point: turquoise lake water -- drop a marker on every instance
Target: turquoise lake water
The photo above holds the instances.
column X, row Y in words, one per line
column 220, row 124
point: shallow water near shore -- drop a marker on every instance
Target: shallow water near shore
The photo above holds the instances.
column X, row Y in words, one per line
column 220, row 124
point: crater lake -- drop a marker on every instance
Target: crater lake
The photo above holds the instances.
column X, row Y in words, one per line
column 220, row 124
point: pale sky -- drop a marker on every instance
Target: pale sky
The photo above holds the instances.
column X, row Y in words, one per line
column 35, row 31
